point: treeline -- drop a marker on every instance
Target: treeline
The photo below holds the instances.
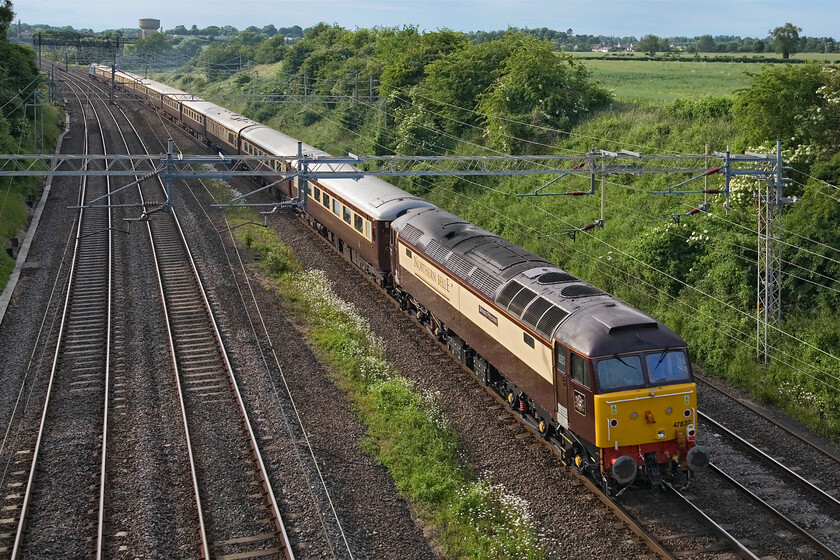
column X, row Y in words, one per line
column 567, row 41
column 438, row 87
column 19, row 99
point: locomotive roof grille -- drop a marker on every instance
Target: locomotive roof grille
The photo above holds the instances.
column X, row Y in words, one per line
column 580, row 290
column 520, row 301
column 459, row 266
column 550, row 321
column 507, row 293
column 555, row 278
column 437, row 251
column 410, row 234
column 536, row 310
column 485, row 283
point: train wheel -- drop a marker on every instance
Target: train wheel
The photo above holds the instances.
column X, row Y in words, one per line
column 542, row 428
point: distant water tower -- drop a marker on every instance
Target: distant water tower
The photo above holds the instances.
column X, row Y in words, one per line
column 148, row 26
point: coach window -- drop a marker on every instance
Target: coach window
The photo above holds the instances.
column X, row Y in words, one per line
column 367, row 229
column 358, row 222
column 580, row 373
column 316, row 194
column 346, row 215
column 326, row 200
column 336, row 207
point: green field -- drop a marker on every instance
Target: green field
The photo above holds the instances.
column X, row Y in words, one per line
column 646, row 82
column 656, row 81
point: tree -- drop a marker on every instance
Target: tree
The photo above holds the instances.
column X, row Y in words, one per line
column 758, row 46
column 706, row 44
column 540, row 94
column 786, row 39
column 649, row 44
column 793, row 102
column 271, row 50
column 7, row 14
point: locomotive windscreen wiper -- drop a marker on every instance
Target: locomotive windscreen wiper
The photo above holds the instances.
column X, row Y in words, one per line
column 662, row 357
column 617, row 357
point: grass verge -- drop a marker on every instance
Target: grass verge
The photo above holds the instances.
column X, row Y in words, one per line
column 406, row 430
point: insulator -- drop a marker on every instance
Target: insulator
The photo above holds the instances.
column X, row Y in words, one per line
column 587, row 227
column 693, row 211
column 712, row 191
column 578, row 193
column 713, row 170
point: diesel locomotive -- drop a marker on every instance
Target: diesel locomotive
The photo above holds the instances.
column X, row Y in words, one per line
column 611, row 386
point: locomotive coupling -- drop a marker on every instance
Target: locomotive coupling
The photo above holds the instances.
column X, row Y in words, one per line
column 697, row 458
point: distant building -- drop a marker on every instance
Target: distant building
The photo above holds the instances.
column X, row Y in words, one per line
column 148, row 26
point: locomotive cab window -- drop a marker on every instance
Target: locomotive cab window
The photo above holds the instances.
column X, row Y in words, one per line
column 408, row 252
column 620, row 372
column 668, row 366
column 580, row 372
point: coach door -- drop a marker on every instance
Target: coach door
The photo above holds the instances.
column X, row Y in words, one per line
column 561, row 384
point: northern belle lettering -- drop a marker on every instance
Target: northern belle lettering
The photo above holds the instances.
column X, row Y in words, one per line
column 432, row 276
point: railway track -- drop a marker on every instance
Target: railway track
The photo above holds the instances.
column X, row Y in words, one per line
column 68, row 441
column 237, row 512
column 802, row 506
column 56, row 480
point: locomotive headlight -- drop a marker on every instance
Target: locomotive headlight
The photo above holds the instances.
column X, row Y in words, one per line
column 661, row 434
column 634, row 415
column 669, row 410
column 613, row 422
column 687, row 412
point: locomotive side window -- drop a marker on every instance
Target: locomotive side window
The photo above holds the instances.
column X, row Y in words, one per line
column 580, row 373
column 528, row 339
column 560, row 358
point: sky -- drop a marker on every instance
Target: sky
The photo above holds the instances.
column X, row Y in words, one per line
column 665, row 18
